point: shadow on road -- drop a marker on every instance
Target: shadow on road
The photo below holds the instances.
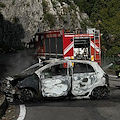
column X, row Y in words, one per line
column 112, row 101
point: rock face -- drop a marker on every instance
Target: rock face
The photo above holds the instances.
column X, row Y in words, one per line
column 42, row 15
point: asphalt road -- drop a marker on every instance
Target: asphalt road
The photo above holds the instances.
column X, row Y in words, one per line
column 108, row 109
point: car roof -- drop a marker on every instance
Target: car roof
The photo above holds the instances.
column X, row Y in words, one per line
column 72, row 60
column 60, row 61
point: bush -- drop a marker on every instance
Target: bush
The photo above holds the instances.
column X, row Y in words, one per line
column 16, row 20
column 45, row 6
column 13, row 2
column 2, row 5
column 50, row 18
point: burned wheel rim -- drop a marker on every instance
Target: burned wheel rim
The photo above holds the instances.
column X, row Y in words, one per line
column 99, row 93
column 26, row 95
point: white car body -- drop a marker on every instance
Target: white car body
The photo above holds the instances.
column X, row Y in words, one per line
column 81, row 84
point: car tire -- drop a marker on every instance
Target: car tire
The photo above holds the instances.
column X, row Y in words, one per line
column 99, row 93
column 26, row 95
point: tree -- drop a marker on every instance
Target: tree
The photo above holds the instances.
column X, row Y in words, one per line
column 108, row 13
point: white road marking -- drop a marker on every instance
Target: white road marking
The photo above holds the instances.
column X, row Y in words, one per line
column 22, row 112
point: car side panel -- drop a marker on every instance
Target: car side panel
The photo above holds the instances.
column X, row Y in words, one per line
column 56, row 86
column 30, row 82
column 82, row 83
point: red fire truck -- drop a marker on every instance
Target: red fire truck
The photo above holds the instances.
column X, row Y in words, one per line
column 60, row 44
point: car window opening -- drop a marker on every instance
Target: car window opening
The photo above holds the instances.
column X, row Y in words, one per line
column 82, row 68
column 79, row 68
column 55, row 70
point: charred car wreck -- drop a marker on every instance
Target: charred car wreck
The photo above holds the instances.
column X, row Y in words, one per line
column 61, row 78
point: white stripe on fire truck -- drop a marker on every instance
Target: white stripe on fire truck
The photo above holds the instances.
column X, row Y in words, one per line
column 79, row 35
column 69, row 35
column 68, row 48
column 94, row 46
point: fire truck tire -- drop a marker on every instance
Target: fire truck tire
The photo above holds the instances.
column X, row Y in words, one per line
column 26, row 95
column 99, row 93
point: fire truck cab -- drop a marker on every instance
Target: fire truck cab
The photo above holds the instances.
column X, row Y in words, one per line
column 75, row 45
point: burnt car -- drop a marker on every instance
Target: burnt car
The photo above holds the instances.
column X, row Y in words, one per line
column 59, row 78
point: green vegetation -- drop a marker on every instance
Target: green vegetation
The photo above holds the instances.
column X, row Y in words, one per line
column 45, row 6
column 86, row 5
column 10, row 35
column 50, row 18
column 13, row 2
column 2, row 5
column 62, row 1
column 1, row 16
column 28, row 4
column 16, row 20
column 54, row 4
column 85, row 23
column 72, row 6
column 66, row 1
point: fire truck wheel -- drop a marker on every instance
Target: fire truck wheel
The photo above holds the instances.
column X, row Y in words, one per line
column 99, row 93
column 26, row 94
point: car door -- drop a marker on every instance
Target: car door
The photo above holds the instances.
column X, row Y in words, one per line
column 55, row 81
column 83, row 78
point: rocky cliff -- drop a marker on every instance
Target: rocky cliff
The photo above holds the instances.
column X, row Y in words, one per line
column 26, row 17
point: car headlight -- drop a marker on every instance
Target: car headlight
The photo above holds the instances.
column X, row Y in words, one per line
column 105, row 79
column 9, row 78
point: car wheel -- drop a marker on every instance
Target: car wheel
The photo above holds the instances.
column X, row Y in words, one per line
column 99, row 93
column 26, row 95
